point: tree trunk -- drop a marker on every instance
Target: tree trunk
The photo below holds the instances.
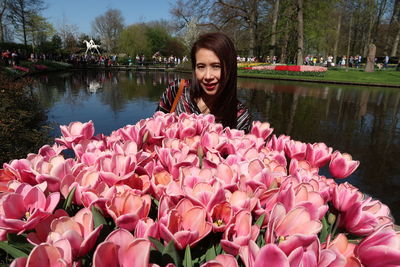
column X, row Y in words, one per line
column 300, row 33
column 368, row 37
column 393, row 22
column 273, row 29
column 395, row 44
column 349, row 42
column 371, row 58
column 285, row 43
column 339, row 25
column 1, row 32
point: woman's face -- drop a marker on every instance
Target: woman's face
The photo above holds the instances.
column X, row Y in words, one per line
column 208, row 70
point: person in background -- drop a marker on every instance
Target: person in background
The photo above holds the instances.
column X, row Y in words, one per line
column 213, row 88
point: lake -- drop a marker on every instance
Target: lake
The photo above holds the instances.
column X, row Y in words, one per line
column 361, row 121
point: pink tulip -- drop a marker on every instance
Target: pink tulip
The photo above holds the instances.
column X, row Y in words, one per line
column 47, row 255
column 344, row 196
column 49, row 152
column 116, row 168
column 306, row 254
column 24, row 209
column 20, row 170
column 206, row 195
column 284, row 224
column 121, row 249
column 242, row 200
column 222, row 260
column 172, row 160
column 187, row 128
column 302, row 169
column 305, row 196
column 365, row 216
column 239, row 233
column 342, row 165
column 318, row 154
column 261, row 129
column 52, row 171
column 271, row 255
column 78, row 231
column 221, row 215
column 75, row 132
column 159, row 182
column 185, row 225
column 295, row 149
column 343, row 249
column 127, row 207
column 43, row 229
column 227, row 176
column 147, row 227
column 381, row 248
column 279, row 143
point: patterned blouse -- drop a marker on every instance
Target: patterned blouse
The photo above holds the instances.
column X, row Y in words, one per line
column 185, row 104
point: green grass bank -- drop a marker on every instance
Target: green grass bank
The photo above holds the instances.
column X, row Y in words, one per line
column 389, row 77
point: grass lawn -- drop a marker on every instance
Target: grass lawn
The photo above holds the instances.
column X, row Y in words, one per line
column 354, row 76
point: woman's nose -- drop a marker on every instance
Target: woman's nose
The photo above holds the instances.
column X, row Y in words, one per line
column 209, row 73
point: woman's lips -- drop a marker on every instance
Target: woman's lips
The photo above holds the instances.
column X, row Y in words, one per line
column 210, row 87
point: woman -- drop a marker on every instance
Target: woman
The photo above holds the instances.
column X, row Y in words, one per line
column 214, row 86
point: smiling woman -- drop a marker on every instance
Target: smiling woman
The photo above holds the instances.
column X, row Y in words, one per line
column 213, row 88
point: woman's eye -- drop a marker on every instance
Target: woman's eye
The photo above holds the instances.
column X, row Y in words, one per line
column 216, row 67
column 200, row 67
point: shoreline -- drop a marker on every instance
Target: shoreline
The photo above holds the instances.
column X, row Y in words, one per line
column 242, row 75
column 173, row 69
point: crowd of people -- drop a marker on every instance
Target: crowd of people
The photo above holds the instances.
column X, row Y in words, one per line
column 11, row 58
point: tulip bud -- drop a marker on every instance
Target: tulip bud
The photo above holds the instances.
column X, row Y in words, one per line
column 145, row 137
column 331, row 218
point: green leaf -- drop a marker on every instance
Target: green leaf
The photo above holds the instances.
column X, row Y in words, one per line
column 324, row 231
column 19, row 242
column 210, row 253
column 218, row 249
column 260, row 220
column 68, row 200
column 160, row 247
column 14, row 252
column 187, row 261
column 171, row 251
column 98, row 218
column 156, row 202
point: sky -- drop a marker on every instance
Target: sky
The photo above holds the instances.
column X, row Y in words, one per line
column 83, row 12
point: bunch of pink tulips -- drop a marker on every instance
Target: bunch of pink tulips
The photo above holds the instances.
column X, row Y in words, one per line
column 184, row 191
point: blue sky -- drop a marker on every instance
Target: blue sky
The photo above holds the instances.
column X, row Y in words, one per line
column 83, row 12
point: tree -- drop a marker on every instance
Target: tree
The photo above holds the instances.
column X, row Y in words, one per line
column 157, row 36
column 3, row 9
column 224, row 15
column 38, row 30
column 133, row 40
column 109, row 27
column 21, row 11
column 273, row 28
column 394, row 27
column 300, row 32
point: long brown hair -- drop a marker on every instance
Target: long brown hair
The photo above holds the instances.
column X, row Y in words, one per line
column 224, row 104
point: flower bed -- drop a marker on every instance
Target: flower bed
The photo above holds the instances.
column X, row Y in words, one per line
column 185, row 191
column 20, row 68
column 288, row 70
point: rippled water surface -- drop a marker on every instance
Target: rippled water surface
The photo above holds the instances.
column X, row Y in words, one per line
column 362, row 121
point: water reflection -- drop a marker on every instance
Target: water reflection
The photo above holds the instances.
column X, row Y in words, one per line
column 359, row 120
